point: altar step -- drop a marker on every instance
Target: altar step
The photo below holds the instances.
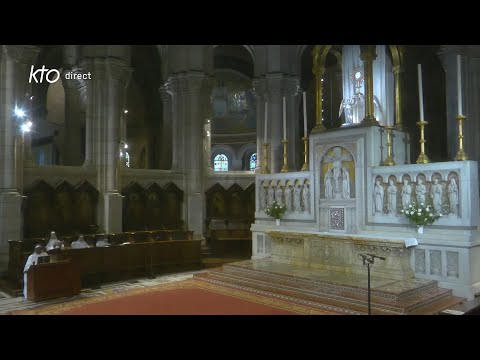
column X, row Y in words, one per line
column 334, row 289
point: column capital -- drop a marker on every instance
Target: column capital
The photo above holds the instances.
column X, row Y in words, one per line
column 165, row 92
column 75, row 83
column 24, row 54
column 397, row 69
column 118, row 71
column 281, row 85
column 368, row 53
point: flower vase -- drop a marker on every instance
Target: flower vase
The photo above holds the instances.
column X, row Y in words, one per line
column 277, row 222
column 420, row 229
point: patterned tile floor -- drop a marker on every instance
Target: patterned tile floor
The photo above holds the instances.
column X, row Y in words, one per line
column 8, row 303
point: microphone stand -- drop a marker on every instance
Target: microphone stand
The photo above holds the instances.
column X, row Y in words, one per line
column 368, row 260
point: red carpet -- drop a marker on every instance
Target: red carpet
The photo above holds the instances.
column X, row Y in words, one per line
column 189, row 297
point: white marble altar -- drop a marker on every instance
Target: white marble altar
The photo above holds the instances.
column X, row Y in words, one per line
column 448, row 251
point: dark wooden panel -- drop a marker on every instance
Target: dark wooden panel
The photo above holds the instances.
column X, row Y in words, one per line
column 134, row 208
column 39, row 211
column 85, row 199
column 53, row 280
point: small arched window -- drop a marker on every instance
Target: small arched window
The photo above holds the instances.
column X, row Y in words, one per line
column 253, row 161
column 220, row 163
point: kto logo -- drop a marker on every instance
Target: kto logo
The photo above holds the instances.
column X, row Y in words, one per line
column 51, row 75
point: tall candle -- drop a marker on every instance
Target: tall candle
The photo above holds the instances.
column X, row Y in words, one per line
column 304, row 114
column 459, row 84
column 284, row 118
column 266, row 121
column 420, row 91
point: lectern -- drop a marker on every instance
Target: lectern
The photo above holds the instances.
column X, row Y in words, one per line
column 52, row 280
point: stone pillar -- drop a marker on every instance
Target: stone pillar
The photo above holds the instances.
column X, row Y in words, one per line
column 13, row 62
column 105, row 97
column 294, row 133
column 190, row 108
column 259, row 90
column 72, row 144
column 368, row 55
column 167, row 131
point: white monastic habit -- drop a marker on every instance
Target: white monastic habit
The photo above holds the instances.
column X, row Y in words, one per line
column 79, row 244
column 102, row 242
column 54, row 243
column 32, row 260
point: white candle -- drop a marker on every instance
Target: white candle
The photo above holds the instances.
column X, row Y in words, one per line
column 266, row 121
column 459, row 84
column 284, row 118
column 305, row 114
column 420, row 90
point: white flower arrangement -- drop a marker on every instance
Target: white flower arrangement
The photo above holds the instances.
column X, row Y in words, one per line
column 276, row 210
column 420, row 215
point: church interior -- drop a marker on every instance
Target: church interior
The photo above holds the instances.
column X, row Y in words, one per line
column 239, row 179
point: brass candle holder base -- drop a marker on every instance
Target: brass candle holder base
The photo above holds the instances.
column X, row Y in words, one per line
column 461, row 155
column 389, row 160
column 422, row 158
column 305, row 166
column 285, row 162
column 265, row 169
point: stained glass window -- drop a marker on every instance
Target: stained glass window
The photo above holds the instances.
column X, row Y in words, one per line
column 125, row 157
column 253, row 161
column 220, row 163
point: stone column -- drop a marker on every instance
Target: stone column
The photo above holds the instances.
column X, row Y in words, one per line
column 368, row 55
column 259, row 90
column 167, row 132
column 190, row 109
column 274, row 94
column 13, row 62
column 72, row 144
column 104, row 109
column 294, row 133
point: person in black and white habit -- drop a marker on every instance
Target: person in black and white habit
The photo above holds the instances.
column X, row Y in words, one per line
column 32, row 260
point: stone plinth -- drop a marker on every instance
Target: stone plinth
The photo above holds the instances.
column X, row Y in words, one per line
column 340, row 252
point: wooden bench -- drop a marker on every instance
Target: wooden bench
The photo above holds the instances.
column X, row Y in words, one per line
column 20, row 250
column 231, row 242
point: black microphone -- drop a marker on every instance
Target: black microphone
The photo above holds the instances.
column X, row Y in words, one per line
column 376, row 256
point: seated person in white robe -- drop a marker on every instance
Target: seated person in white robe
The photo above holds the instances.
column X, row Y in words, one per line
column 102, row 242
column 32, row 260
column 80, row 243
column 54, row 243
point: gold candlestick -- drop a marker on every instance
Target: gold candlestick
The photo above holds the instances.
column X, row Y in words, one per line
column 265, row 169
column 305, row 154
column 461, row 155
column 422, row 158
column 285, row 162
column 389, row 160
